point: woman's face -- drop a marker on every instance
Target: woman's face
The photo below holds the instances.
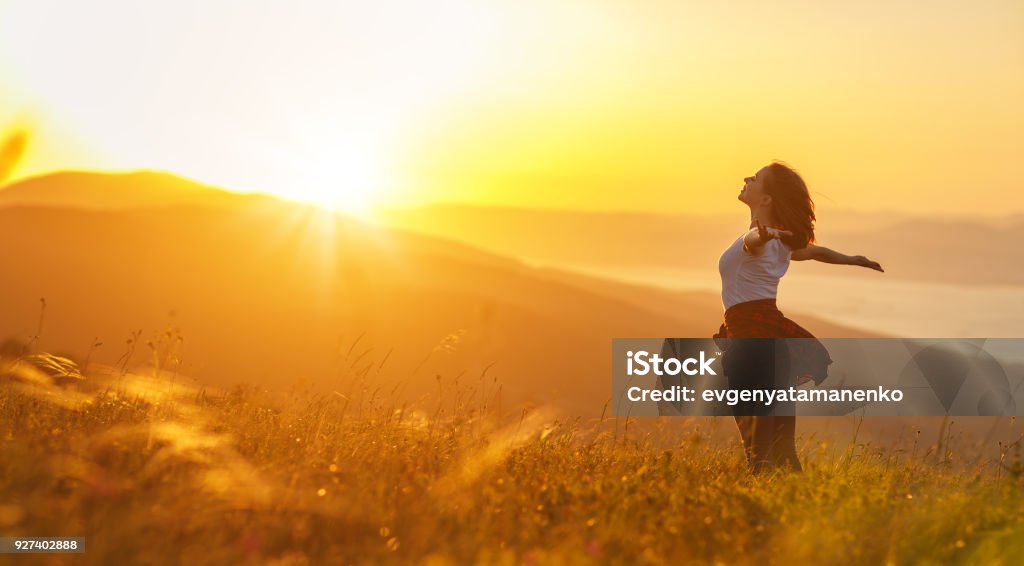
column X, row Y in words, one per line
column 753, row 193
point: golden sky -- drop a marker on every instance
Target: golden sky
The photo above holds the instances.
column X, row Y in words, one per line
column 593, row 104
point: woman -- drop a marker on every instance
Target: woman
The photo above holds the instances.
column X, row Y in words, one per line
column 781, row 229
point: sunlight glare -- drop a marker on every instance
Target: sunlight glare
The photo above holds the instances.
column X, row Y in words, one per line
column 348, row 182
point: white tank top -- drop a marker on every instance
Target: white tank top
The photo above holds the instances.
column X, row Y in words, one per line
column 748, row 277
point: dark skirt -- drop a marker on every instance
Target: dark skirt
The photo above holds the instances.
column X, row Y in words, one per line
column 759, row 360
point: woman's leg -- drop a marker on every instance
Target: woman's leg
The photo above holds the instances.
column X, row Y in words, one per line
column 783, row 443
column 769, row 442
column 756, row 437
column 755, row 448
column 748, row 365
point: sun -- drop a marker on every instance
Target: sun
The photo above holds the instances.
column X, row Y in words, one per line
column 346, row 185
column 342, row 177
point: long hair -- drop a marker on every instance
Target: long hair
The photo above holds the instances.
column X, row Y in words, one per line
column 791, row 204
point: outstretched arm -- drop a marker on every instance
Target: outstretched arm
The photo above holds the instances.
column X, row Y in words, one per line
column 827, row 255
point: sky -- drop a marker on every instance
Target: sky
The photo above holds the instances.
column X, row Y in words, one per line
column 598, row 105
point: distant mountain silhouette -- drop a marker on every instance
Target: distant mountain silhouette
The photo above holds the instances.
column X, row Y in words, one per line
column 271, row 292
column 960, row 250
column 98, row 190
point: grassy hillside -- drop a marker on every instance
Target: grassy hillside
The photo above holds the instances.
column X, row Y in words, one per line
column 151, row 471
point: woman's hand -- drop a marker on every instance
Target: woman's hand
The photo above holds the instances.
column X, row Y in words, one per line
column 865, row 262
column 752, row 243
column 803, row 379
column 766, row 233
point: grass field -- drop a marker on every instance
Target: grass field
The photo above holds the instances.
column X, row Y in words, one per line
column 151, row 471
